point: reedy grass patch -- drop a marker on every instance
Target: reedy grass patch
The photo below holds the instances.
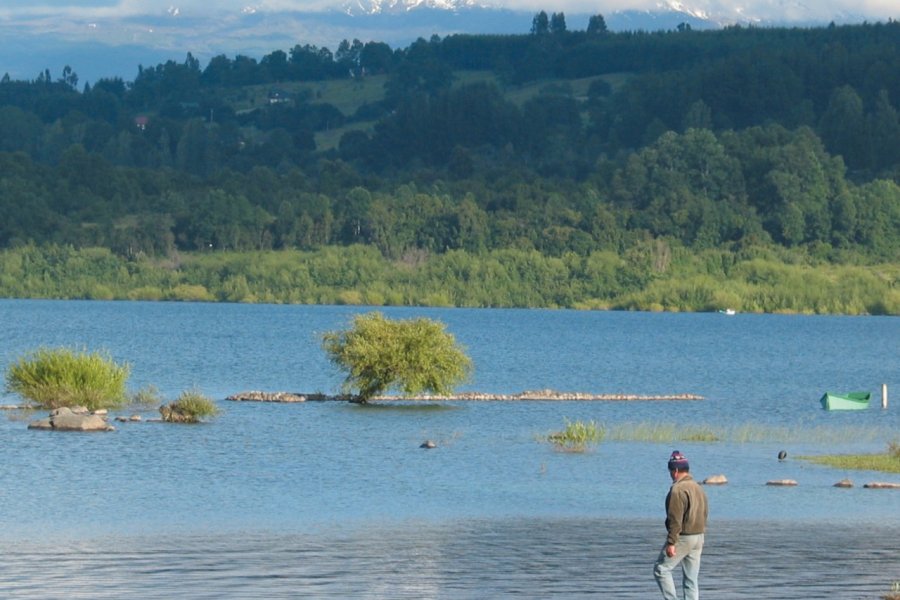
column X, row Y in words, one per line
column 745, row 433
column 857, row 462
column 146, row 396
column 663, row 432
column 815, row 434
column 578, row 436
column 56, row 377
column 191, row 406
column 888, row 462
column 894, row 450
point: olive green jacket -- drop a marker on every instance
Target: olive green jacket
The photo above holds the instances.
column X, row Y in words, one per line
column 686, row 509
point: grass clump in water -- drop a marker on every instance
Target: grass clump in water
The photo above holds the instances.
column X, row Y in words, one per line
column 747, row 433
column 889, row 462
column 819, row 434
column 56, row 377
column 578, row 436
column 664, row 432
column 190, row 407
column 147, row 396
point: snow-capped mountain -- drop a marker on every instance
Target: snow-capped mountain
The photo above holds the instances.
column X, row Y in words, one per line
column 379, row 7
column 681, row 7
column 711, row 13
column 790, row 12
column 668, row 8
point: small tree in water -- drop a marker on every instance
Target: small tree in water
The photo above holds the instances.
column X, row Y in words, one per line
column 412, row 356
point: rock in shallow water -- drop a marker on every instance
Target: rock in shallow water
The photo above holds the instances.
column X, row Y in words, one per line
column 256, row 396
column 72, row 419
column 715, row 480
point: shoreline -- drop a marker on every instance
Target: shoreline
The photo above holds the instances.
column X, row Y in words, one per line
column 534, row 395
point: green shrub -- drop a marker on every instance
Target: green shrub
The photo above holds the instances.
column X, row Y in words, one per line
column 350, row 297
column 412, row 355
column 56, row 377
column 190, row 407
column 190, row 293
column 146, row 292
column 578, row 436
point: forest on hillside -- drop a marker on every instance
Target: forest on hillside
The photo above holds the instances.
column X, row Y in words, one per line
column 729, row 140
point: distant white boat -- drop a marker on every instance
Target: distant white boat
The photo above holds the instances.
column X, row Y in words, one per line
column 728, row 311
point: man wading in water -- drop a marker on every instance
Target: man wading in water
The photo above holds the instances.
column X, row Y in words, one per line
column 686, row 513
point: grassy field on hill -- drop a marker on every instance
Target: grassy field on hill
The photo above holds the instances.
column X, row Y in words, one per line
column 348, row 95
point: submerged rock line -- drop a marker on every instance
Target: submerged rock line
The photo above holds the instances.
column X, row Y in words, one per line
column 258, row 396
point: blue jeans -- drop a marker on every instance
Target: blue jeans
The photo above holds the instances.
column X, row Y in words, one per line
column 687, row 554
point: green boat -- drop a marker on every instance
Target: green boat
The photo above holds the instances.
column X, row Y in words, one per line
column 848, row 401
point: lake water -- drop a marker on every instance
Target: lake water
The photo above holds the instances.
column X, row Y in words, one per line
column 335, row 500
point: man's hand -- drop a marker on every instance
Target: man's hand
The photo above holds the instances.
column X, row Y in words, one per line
column 670, row 550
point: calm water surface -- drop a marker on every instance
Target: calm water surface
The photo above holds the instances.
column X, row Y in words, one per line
column 332, row 500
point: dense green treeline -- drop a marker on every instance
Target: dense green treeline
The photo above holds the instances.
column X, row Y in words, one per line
column 760, row 185
column 653, row 275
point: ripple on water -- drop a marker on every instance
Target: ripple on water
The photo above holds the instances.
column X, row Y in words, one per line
column 521, row 558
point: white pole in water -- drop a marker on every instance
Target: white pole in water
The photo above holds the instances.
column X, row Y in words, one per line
column 883, row 395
